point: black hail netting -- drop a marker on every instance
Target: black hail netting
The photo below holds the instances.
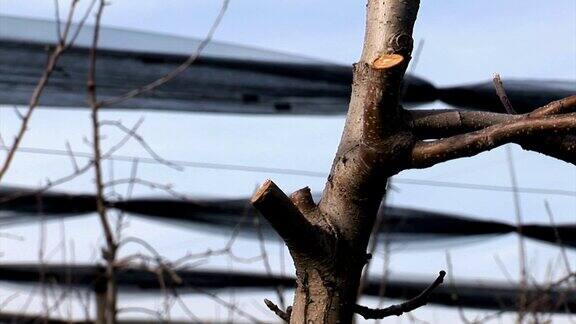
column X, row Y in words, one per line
column 225, row 79
column 18, row 206
column 484, row 295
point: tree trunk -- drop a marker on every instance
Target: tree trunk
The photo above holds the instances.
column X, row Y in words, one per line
column 328, row 241
column 325, row 297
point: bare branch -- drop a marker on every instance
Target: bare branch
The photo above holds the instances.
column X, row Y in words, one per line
column 428, row 124
column 285, row 315
column 150, row 184
column 439, row 123
column 501, row 92
column 109, row 254
column 562, row 106
column 81, row 23
column 34, row 100
column 557, row 235
column 408, row 306
column 142, row 143
column 303, row 200
column 522, row 298
column 284, row 216
column 8, row 300
column 57, row 16
column 181, row 68
column 53, row 58
column 62, row 37
column 72, row 157
column 18, row 113
column 560, row 147
column 92, row 100
column 425, row 154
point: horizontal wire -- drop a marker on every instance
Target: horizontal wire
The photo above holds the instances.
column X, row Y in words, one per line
column 297, row 172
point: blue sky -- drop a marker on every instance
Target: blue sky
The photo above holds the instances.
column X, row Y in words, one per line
column 465, row 41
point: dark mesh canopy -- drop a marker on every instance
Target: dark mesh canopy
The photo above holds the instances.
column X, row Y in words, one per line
column 224, row 79
column 484, row 295
column 18, row 206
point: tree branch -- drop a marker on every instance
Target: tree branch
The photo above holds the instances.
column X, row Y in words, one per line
column 298, row 233
column 439, row 123
column 562, row 106
column 408, row 306
column 427, row 124
column 179, row 69
column 432, row 124
column 560, row 147
column 285, row 315
column 501, row 92
column 303, row 200
column 34, row 101
column 521, row 131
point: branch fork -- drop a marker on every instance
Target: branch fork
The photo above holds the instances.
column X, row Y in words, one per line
column 293, row 219
column 549, row 129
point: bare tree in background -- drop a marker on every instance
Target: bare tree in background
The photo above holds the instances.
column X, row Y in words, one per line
column 328, row 240
column 105, row 289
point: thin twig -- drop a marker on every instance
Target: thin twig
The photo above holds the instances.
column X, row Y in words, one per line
column 80, row 25
column 111, row 246
column 501, row 92
column 181, row 68
column 72, row 157
column 234, row 308
column 408, row 306
column 52, row 61
column 8, row 300
column 64, row 35
column 558, row 239
column 34, row 100
column 455, row 295
column 285, row 315
column 522, row 302
column 52, row 183
column 91, row 88
column 57, row 17
column 142, row 143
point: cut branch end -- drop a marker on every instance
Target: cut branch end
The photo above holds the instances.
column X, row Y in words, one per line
column 387, row 61
column 262, row 191
column 288, row 221
column 302, row 198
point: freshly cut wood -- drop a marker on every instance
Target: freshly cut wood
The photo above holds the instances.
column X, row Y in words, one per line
column 387, row 61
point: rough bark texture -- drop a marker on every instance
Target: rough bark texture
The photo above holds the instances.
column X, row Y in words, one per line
column 328, row 240
column 373, row 145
